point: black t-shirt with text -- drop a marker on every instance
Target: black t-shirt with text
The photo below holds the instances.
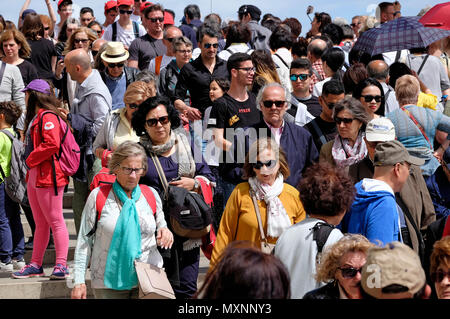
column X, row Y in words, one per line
column 226, row 112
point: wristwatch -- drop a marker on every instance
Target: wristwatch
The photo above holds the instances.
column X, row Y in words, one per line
column 196, row 184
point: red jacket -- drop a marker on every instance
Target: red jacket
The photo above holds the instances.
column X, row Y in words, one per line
column 43, row 152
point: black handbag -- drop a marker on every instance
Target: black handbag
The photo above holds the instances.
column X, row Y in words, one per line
column 187, row 212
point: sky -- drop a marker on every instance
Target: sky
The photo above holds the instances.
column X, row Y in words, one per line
column 227, row 9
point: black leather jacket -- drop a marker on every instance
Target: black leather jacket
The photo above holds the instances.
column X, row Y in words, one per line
column 329, row 291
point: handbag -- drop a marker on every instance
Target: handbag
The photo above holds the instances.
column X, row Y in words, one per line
column 189, row 214
column 153, row 282
column 265, row 246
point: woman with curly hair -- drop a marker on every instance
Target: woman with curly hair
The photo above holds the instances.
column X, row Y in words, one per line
column 440, row 268
column 341, row 269
column 326, row 195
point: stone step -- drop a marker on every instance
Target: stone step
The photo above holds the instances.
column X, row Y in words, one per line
column 38, row 288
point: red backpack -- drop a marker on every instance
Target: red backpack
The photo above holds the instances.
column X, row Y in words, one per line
column 103, row 195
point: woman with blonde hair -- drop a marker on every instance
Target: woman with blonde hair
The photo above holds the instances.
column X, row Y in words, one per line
column 279, row 203
column 16, row 50
column 265, row 70
column 340, row 268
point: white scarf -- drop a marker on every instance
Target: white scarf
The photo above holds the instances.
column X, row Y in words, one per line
column 277, row 218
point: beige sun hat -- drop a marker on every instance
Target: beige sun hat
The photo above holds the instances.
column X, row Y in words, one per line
column 115, row 52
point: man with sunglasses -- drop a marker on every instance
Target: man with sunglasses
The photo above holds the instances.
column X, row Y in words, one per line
column 145, row 48
column 124, row 30
column 156, row 64
column 196, row 75
column 374, row 212
column 323, row 128
column 116, row 75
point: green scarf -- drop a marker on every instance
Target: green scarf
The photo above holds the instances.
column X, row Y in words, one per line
column 120, row 273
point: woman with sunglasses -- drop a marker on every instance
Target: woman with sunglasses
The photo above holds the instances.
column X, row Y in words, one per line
column 117, row 126
column 371, row 94
column 340, row 268
column 131, row 226
column 279, row 204
column 157, row 122
column 348, row 147
column 440, row 267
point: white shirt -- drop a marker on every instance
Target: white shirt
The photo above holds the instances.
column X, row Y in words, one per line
column 136, row 17
column 390, row 103
column 165, row 60
column 234, row 48
column 317, row 91
column 124, row 36
column 302, row 116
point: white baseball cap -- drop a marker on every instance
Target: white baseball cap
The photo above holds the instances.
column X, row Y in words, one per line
column 380, row 129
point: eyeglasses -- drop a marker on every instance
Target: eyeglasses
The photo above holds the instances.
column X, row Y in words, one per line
column 159, row 19
column 113, row 65
column 407, row 165
column 268, row 164
column 355, row 24
column 94, row 53
column 369, row 98
column 129, row 170
column 439, row 275
column 349, row 272
column 86, row 19
column 339, row 120
column 47, row 28
column 185, row 51
column 125, row 11
column 169, row 39
column 99, row 32
column 80, row 40
column 208, row 45
column 295, row 77
column 133, row 105
column 153, row 122
column 269, row 103
column 252, row 69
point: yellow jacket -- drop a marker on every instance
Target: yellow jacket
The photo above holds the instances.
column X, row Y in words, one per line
column 239, row 220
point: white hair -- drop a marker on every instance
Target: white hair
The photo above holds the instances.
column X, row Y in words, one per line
column 287, row 94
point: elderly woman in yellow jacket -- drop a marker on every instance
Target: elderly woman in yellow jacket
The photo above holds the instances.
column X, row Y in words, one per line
column 279, row 203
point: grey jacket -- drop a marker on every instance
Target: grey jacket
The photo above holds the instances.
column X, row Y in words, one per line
column 92, row 100
column 11, row 90
column 105, row 136
column 260, row 36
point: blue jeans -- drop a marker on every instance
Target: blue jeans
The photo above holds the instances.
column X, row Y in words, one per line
column 12, row 242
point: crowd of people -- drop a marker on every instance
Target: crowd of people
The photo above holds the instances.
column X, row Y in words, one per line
column 328, row 167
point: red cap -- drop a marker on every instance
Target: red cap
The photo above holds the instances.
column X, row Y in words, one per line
column 125, row 3
column 61, row 1
column 110, row 5
column 145, row 5
column 168, row 18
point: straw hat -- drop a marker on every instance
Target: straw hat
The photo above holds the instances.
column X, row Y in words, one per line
column 114, row 53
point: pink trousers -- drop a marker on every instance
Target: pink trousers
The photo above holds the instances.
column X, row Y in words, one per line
column 47, row 213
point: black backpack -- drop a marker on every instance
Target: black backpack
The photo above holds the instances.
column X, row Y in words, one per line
column 321, row 232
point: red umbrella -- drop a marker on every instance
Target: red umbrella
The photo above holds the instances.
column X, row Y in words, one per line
column 437, row 17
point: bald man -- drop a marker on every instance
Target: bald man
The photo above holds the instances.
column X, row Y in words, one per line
column 89, row 108
column 379, row 70
column 314, row 53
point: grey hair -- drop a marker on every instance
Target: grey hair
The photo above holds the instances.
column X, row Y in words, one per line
column 148, row 77
column 355, row 107
column 287, row 94
column 177, row 42
column 125, row 150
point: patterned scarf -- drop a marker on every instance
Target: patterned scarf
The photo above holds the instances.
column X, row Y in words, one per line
column 277, row 218
column 344, row 155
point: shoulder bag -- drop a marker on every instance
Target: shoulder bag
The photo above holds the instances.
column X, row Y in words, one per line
column 153, row 282
column 265, row 246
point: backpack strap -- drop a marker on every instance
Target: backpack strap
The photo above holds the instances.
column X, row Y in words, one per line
column 420, row 127
column 136, row 29
column 206, row 191
column 397, row 55
column 282, row 60
column 321, row 232
column 319, row 132
column 423, row 63
column 158, row 62
column 103, row 193
column 114, row 30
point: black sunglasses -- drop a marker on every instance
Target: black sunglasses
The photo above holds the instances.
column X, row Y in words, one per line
column 80, row 40
column 153, row 122
column 47, row 28
column 268, row 164
column 160, row 19
column 369, row 98
column 125, row 11
column 113, row 65
column 349, row 272
column 94, row 53
column 295, row 77
column 269, row 103
column 214, row 45
column 439, row 275
column 133, row 105
column 339, row 120
column 170, row 39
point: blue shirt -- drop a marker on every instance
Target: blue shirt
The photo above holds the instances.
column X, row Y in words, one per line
column 117, row 88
